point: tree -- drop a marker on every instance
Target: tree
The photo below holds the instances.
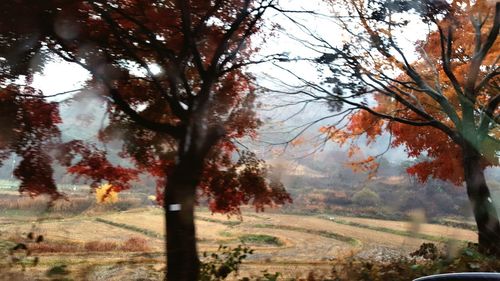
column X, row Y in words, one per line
column 177, row 124
column 443, row 103
column 366, row 197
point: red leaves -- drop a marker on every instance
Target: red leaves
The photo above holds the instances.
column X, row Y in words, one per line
column 445, row 156
column 227, row 185
column 25, row 114
column 35, row 173
column 116, row 41
column 246, row 182
column 29, row 129
column 94, row 165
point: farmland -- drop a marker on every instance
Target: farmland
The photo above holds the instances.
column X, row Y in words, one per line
column 112, row 244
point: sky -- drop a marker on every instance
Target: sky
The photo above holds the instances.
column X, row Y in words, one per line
column 281, row 119
column 59, row 76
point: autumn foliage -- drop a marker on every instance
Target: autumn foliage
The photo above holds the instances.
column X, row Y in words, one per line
column 398, row 99
column 441, row 102
column 173, row 78
column 110, row 41
column 106, row 194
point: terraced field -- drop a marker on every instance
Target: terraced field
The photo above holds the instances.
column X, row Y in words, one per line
column 305, row 238
column 288, row 243
column 439, row 231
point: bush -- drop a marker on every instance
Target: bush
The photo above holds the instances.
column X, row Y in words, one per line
column 98, row 246
column 261, row 239
column 217, row 266
column 226, row 261
column 135, row 244
column 366, row 197
column 425, row 261
column 56, row 247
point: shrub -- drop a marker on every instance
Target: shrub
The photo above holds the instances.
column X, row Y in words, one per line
column 427, row 251
column 98, row 246
column 261, row 239
column 366, row 197
column 217, row 266
column 226, row 261
column 426, row 261
column 135, row 244
column 55, row 247
column 106, row 194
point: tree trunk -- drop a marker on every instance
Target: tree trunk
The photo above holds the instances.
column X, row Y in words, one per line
column 179, row 201
column 482, row 204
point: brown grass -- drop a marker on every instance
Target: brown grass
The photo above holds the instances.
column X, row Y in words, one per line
column 150, row 219
column 55, row 247
column 424, row 228
column 366, row 236
column 84, row 235
column 209, row 232
column 42, row 204
column 100, row 246
column 133, row 244
column 74, row 204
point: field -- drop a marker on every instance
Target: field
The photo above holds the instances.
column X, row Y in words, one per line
column 128, row 245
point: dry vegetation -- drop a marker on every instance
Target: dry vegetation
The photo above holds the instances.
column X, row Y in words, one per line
column 133, row 244
column 94, row 240
column 425, row 228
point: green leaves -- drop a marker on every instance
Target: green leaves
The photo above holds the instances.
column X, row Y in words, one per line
column 219, row 265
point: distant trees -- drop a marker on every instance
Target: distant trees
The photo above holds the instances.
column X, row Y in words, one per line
column 441, row 101
column 172, row 73
column 366, row 197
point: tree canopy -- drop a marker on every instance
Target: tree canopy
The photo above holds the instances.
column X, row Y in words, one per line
column 120, row 44
column 426, row 106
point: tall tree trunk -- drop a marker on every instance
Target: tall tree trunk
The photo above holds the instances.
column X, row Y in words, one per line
column 482, row 204
column 179, row 201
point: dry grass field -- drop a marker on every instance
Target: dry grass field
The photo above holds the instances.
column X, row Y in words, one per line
column 112, row 245
column 425, row 228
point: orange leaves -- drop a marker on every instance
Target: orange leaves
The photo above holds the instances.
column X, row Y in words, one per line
column 105, row 193
column 368, row 165
column 298, row 141
column 353, row 150
column 444, row 168
column 363, row 122
column 445, row 156
column 430, row 89
column 360, row 123
column 336, row 135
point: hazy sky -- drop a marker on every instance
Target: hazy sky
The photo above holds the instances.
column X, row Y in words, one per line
column 283, row 41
